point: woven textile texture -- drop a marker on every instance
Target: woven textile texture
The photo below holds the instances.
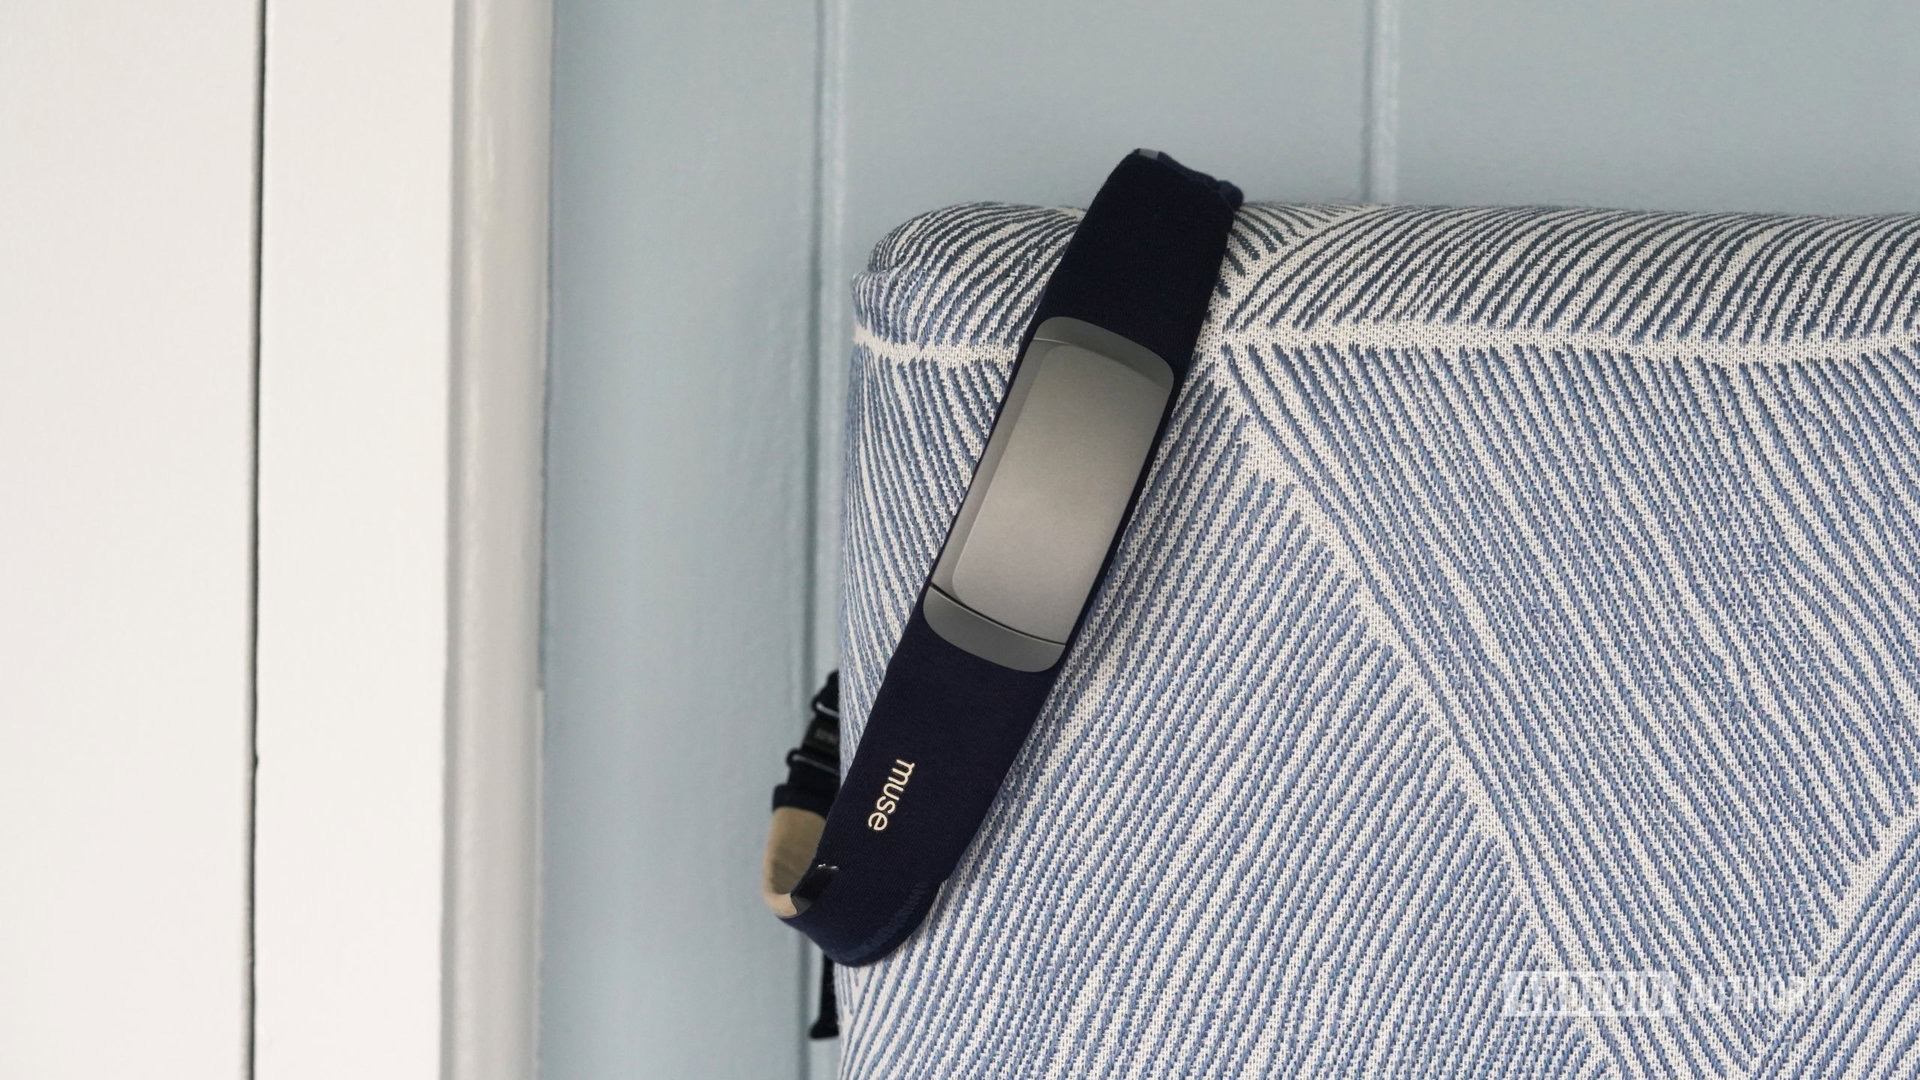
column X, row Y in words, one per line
column 1517, row 592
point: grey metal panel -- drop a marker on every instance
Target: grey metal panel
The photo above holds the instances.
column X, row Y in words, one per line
column 1058, row 493
column 989, row 640
column 1047, row 497
column 1648, row 103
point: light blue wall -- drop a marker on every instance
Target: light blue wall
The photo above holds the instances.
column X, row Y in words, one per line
column 1810, row 105
column 721, row 170
column 677, row 532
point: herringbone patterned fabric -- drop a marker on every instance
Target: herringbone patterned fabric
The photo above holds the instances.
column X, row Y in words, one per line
column 1516, row 590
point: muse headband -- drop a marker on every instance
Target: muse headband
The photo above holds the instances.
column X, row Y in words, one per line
column 1097, row 373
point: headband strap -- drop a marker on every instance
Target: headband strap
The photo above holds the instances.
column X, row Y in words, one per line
column 1098, row 369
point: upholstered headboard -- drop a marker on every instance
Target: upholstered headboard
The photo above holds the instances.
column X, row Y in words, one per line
column 1516, row 590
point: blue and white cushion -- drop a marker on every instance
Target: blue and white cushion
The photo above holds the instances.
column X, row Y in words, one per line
column 1523, row 601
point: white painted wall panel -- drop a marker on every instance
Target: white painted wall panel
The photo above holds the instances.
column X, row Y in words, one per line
column 126, row 428
column 1644, row 103
column 355, row 395
column 677, row 486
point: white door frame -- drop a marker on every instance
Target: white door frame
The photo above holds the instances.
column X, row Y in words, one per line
column 402, row 368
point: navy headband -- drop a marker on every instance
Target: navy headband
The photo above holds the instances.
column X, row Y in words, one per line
column 1098, row 370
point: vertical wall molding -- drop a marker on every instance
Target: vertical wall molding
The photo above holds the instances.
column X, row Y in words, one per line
column 502, row 110
column 821, row 641
column 1380, row 171
column 402, row 323
column 831, row 333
